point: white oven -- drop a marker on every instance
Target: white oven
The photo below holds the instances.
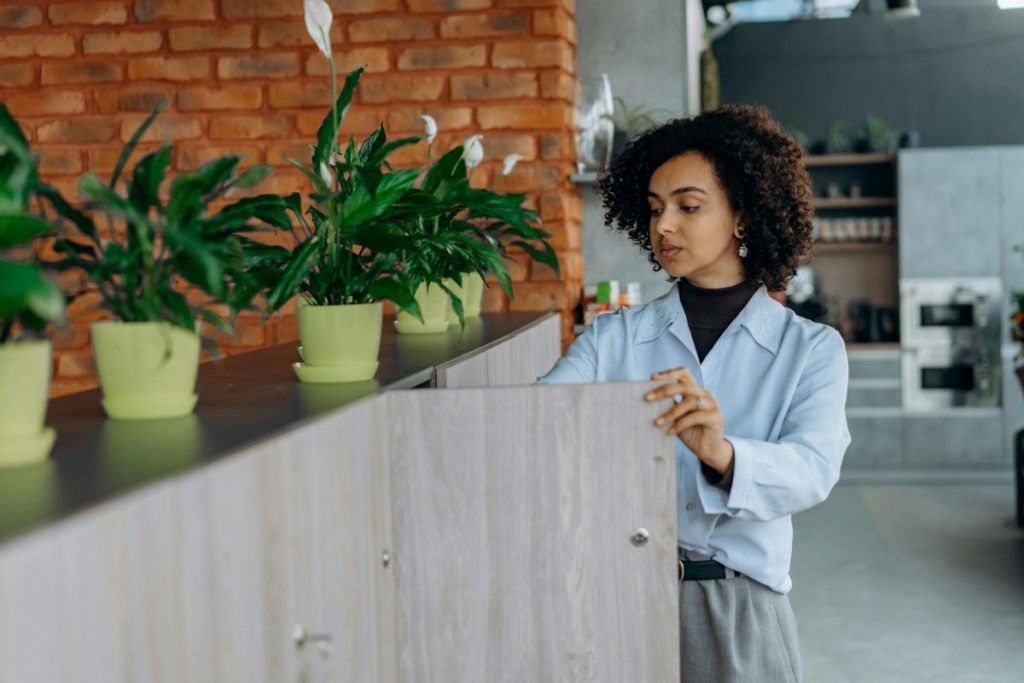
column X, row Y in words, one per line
column 950, row 341
column 949, row 311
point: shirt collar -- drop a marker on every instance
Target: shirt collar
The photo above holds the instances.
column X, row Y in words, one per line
column 763, row 317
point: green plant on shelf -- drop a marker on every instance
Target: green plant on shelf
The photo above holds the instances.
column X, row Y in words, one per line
column 153, row 245
column 29, row 298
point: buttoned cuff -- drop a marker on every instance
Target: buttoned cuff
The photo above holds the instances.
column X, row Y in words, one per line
column 717, row 501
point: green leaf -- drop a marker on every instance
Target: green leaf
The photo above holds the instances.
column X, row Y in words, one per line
column 218, row 322
column 253, row 176
column 126, row 153
column 314, row 178
column 11, row 135
column 190, row 192
column 18, row 176
column 302, row 260
column 81, row 221
column 92, row 189
column 268, row 208
column 328, row 133
column 373, row 142
column 197, row 261
column 24, row 288
column 15, row 230
column 144, row 188
column 180, row 313
column 546, row 255
column 382, row 153
column 401, row 293
column 448, row 167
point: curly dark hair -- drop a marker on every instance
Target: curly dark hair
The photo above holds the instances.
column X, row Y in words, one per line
column 758, row 165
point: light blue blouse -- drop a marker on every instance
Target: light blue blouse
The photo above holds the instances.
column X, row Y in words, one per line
column 780, row 381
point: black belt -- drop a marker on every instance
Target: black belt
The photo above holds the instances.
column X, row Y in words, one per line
column 705, row 570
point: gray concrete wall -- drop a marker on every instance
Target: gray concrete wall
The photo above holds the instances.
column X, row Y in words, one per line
column 643, row 46
column 952, row 74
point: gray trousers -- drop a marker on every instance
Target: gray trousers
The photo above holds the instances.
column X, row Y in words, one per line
column 736, row 631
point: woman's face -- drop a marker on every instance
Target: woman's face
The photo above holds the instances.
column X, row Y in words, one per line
column 693, row 229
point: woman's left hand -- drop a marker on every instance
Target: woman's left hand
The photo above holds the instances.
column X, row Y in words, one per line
column 696, row 420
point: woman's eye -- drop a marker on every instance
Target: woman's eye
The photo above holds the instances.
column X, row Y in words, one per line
column 655, row 212
column 688, row 209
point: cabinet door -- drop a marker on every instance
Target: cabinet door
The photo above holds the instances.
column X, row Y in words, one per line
column 339, row 544
column 94, row 600
column 516, row 361
column 237, row 597
column 526, row 357
column 513, row 512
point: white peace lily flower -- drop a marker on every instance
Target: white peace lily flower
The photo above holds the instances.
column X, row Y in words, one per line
column 431, row 126
column 473, row 151
column 326, row 175
column 318, row 24
column 510, row 162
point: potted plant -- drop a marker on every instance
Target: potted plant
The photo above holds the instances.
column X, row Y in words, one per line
column 154, row 248
column 459, row 234
column 346, row 257
column 631, row 121
column 372, row 235
column 28, row 301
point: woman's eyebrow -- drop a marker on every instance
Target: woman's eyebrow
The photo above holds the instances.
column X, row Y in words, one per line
column 678, row 191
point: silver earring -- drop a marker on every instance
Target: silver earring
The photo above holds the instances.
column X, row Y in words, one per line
column 743, row 250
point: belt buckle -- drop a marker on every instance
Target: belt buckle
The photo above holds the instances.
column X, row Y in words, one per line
column 682, row 571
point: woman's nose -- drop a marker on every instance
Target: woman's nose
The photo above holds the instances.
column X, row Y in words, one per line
column 664, row 224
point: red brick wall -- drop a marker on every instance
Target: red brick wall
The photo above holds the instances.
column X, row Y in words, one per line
column 243, row 76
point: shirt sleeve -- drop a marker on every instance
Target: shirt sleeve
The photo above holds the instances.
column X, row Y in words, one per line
column 773, row 479
column 579, row 365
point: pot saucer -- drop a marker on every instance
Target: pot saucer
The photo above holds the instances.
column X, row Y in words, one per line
column 327, row 374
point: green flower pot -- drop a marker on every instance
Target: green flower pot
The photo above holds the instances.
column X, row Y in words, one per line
column 24, row 390
column 339, row 343
column 147, row 369
column 433, row 303
column 471, row 293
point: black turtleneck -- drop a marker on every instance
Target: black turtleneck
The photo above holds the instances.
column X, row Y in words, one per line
column 709, row 311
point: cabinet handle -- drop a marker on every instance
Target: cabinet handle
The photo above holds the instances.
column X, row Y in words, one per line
column 301, row 636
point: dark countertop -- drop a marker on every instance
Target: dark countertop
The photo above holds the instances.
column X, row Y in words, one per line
column 243, row 400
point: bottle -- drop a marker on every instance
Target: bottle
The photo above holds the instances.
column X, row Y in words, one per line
column 633, row 297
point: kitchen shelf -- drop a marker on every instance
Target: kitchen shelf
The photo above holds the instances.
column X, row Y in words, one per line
column 847, row 203
column 845, row 247
column 848, row 159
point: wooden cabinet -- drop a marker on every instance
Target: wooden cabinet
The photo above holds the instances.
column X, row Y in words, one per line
column 441, row 535
column 515, row 361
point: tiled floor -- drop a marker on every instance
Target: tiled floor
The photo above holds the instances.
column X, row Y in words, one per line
column 900, row 583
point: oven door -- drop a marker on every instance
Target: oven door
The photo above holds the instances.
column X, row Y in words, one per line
column 937, row 377
column 951, row 312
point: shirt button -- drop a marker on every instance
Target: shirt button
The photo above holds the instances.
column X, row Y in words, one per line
column 689, row 507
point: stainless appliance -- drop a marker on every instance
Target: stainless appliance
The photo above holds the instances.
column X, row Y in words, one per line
column 950, row 338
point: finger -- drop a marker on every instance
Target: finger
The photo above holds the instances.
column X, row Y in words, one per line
column 674, row 373
column 693, row 419
column 677, row 411
column 683, row 386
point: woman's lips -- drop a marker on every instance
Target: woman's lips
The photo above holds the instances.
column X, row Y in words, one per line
column 669, row 252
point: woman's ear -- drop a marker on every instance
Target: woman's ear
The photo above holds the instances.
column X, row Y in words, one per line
column 738, row 231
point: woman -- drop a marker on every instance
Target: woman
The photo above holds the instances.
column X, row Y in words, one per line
column 755, row 394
